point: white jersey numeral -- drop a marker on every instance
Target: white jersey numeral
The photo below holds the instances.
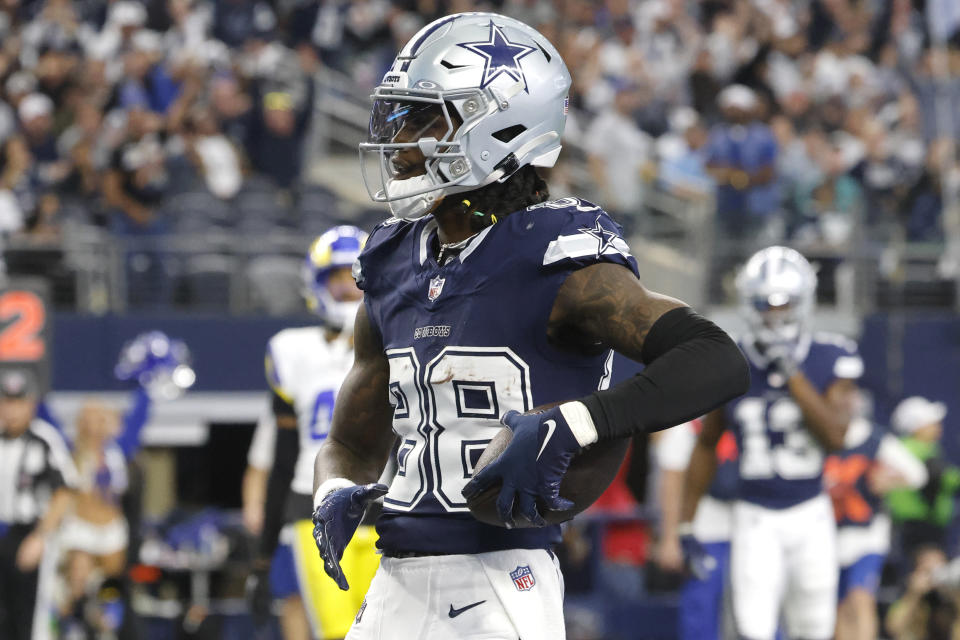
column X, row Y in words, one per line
column 797, row 458
column 445, row 413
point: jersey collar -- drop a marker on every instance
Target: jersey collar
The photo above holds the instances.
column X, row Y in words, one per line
column 427, row 232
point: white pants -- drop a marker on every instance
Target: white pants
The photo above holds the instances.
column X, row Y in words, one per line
column 784, row 558
column 501, row 595
column 95, row 539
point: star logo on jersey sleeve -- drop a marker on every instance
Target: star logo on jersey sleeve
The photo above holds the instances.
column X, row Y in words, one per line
column 605, row 238
column 500, row 56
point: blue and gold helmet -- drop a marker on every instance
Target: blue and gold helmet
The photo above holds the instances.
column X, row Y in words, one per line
column 337, row 248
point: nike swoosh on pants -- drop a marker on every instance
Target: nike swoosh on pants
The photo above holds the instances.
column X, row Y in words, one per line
column 453, row 613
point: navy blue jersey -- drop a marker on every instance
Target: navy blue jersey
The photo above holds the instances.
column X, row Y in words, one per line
column 467, row 341
column 846, row 476
column 781, row 464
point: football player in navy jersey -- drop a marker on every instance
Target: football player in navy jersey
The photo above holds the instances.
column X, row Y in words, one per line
column 783, row 546
column 484, row 299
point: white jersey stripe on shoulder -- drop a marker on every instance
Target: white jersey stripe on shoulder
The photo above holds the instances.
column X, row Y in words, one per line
column 607, row 372
column 848, row 367
column 59, row 454
column 580, row 246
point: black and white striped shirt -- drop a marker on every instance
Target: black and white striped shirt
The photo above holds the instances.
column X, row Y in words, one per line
column 32, row 466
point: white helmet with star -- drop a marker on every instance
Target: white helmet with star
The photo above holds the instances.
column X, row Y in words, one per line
column 479, row 95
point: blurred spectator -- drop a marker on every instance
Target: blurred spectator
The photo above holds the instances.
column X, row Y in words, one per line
column 923, row 205
column 36, row 122
column 928, row 609
column 828, row 206
column 234, row 21
column 935, row 79
column 215, row 158
column 136, row 181
column 620, row 154
column 923, row 515
column 276, row 140
column 44, row 226
column 134, row 187
column 125, row 19
column 741, row 157
column 146, row 80
column 87, row 152
column 232, row 108
column 683, row 168
column 57, row 69
column 14, row 185
column 882, row 174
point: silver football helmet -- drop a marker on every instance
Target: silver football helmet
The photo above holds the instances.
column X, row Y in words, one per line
column 468, row 101
column 777, row 290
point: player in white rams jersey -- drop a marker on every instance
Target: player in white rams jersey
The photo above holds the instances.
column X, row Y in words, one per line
column 783, row 548
column 484, row 298
column 305, row 367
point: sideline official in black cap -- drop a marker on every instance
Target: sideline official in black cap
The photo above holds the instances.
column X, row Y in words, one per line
column 35, row 475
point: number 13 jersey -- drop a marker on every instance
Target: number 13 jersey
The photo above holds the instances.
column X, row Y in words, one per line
column 781, row 463
column 467, row 341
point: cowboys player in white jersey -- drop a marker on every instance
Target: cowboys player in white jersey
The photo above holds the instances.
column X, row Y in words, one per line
column 783, row 546
column 305, row 367
column 485, row 298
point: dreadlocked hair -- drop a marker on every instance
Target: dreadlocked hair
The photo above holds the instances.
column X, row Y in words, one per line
column 497, row 200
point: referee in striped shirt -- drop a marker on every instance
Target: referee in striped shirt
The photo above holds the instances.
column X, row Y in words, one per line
column 36, row 472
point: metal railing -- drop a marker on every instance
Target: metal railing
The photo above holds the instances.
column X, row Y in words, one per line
column 218, row 271
column 230, row 271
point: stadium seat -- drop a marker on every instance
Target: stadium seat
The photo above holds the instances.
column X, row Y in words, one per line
column 275, row 285
column 207, row 282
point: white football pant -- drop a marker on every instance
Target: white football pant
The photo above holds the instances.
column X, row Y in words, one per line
column 784, row 559
column 473, row 597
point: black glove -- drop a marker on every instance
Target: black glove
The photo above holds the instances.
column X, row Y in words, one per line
column 259, row 598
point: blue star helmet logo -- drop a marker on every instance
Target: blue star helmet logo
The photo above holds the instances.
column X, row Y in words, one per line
column 604, row 237
column 500, row 56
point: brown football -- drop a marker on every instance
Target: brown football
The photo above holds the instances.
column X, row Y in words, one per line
column 589, row 475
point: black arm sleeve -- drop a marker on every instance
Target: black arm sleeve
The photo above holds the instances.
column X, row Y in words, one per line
column 278, row 487
column 692, row 367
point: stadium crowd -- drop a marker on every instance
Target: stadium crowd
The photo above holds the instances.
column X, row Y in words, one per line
column 807, row 119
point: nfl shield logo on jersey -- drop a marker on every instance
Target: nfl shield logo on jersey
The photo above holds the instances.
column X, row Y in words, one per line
column 436, row 286
column 523, row 578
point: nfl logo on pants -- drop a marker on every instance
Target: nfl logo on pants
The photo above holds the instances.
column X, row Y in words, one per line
column 523, row 578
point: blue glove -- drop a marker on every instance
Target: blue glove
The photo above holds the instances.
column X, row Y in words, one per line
column 336, row 519
column 699, row 563
column 782, row 364
column 531, row 466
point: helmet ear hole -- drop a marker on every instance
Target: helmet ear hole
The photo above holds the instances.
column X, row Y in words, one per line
column 509, row 133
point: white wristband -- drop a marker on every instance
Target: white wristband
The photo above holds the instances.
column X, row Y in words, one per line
column 581, row 422
column 328, row 487
column 685, row 529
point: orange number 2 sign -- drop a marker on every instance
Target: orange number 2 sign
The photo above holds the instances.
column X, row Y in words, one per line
column 22, row 317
